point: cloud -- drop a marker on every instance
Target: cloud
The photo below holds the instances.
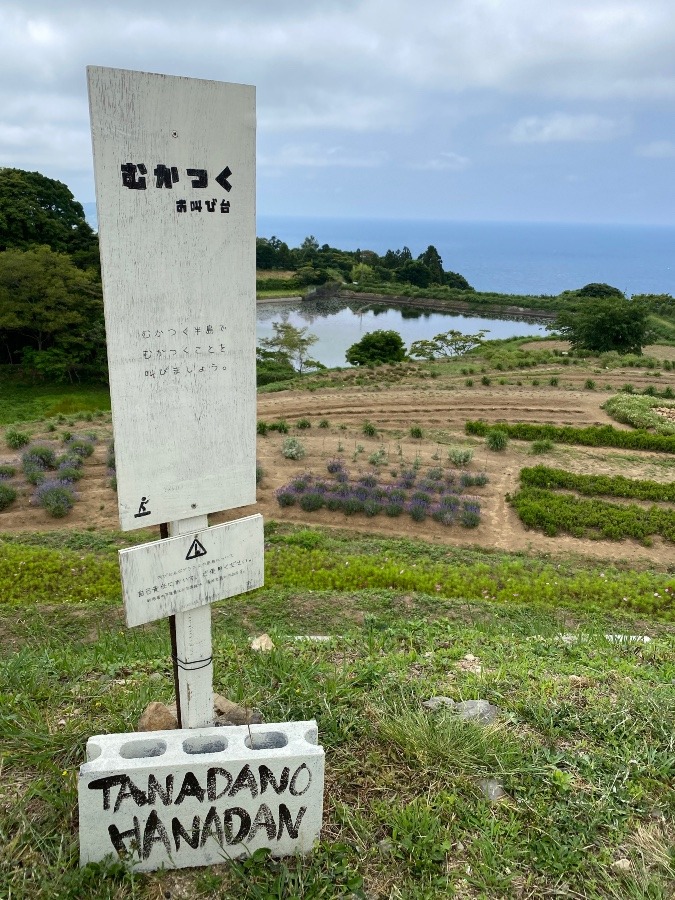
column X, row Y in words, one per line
column 444, row 162
column 565, row 127
column 315, row 156
column 657, row 150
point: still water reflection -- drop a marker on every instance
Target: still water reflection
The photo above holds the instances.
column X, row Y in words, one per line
column 338, row 325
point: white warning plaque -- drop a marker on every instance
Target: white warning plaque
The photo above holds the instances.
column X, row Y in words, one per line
column 174, row 160
column 162, row 578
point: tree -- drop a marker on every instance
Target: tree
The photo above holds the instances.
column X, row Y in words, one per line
column 599, row 290
column 362, row 273
column 413, row 271
column 35, row 210
column 292, row 344
column 432, row 260
column 602, row 324
column 51, row 314
column 375, row 348
column 448, row 343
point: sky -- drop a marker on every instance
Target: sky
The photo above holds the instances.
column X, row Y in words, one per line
column 468, row 110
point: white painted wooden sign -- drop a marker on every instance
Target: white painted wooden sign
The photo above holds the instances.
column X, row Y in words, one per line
column 174, row 161
column 181, row 573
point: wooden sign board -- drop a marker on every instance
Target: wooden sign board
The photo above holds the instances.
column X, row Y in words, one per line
column 174, row 160
column 162, row 578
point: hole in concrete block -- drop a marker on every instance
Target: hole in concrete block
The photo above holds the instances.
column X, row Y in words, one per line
column 93, row 751
column 312, row 735
column 266, row 740
column 204, row 745
column 142, row 749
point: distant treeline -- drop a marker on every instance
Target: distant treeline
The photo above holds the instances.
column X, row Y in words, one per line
column 51, row 301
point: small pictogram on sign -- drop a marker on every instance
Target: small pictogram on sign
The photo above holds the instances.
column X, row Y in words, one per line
column 196, row 550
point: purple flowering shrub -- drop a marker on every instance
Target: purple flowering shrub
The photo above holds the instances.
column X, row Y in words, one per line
column 437, row 495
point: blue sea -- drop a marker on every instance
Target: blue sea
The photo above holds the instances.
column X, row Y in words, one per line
column 516, row 258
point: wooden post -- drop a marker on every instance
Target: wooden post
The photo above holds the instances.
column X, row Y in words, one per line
column 193, row 651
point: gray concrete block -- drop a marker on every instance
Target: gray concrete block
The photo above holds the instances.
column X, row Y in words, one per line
column 201, row 796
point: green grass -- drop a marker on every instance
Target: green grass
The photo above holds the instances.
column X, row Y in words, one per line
column 25, row 402
column 584, row 744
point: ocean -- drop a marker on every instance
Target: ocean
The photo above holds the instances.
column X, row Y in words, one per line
column 515, row 257
column 512, row 257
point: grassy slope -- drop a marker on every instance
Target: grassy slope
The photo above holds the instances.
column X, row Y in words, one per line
column 584, row 746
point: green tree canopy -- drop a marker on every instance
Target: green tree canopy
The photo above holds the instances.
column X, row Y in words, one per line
column 51, row 314
column 448, row 343
column 595, row 289
column 602, row 324
column 291, row 344
column 35, row 210
column 375, row 348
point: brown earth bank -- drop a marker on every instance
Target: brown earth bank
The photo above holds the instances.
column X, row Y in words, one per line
column 393, row 400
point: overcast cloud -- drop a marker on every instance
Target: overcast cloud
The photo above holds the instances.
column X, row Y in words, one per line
column 458, row 109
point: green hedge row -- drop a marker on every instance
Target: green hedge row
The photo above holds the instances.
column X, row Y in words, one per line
column 593, row 436
column 552, row 513
column 594, row 485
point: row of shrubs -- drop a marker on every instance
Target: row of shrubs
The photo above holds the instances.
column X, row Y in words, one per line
column 436, row 495
column 596, row 485
column 553, row 512
column 592, row 436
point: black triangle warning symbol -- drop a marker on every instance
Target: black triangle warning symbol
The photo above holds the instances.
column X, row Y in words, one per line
column 196, row 550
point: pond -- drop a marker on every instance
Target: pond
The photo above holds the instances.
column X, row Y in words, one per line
column 339, row 324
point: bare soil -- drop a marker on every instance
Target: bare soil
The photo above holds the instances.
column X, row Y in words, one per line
column 394, row 400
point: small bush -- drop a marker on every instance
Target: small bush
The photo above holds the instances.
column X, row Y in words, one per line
column 69, row 473
column 285, row 497
column 486, row 381
column 7, row 495
column 418, row 511
column 416, row 432
column 469, row 480
column 292, row 449
column 369, row 429
column 15, row 440
column 496, row 439
column 541, row 446
column 394, row 508
column 81, row 446
column 324, row 423
column 372, row 507
column 469, row 382
column 311, row 501
column 39, row 455
column 7, row 472
column 259, row 473
column 435, row 474
column 56, row 497
column 303, row 424
column 460, row 457
column 378, row 457
column 262, row 428
column 553, row 381
column 589, row 384
column 334, row 466
column 281, row 426
column 469, row 516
